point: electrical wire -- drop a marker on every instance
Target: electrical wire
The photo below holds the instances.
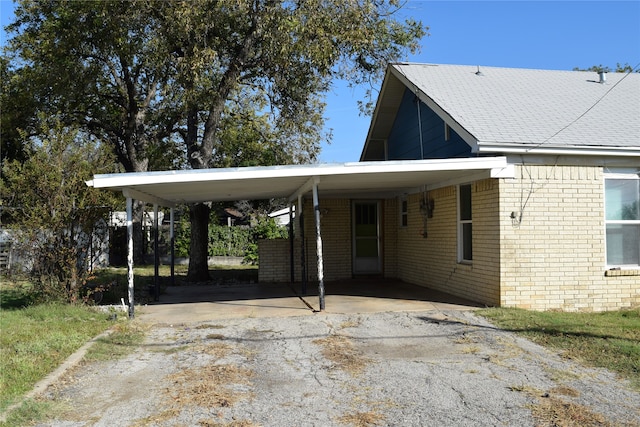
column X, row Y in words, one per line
column 586, row 111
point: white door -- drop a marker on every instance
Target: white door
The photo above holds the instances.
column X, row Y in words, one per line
column 366, row 237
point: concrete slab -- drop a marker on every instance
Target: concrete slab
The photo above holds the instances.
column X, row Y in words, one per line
column 185, row 304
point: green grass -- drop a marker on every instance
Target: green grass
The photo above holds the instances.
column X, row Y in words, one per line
column 125, row 338
column 608, row 340
column 34, row 340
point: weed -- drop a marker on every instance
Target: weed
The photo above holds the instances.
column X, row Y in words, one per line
column 362, row 419
column 125, row 338
column 209, row 386
column 472, row 349
column 209, row 326
column 552, row 411
column 215, row 337
column 341, row 352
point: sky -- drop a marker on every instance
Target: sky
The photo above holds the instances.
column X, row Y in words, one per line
column 543, row 34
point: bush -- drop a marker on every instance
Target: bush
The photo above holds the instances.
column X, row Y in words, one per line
column 237, row 241
column 57, row 220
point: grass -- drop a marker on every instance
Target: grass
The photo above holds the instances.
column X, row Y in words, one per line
column 608, row 340
column 34, row 340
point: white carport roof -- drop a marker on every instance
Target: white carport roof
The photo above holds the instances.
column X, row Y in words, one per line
column 353, row 180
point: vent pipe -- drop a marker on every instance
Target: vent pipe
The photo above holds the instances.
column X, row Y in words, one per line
column 603, row 77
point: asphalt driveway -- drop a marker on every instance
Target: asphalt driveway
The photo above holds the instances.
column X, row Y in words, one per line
column 433, row 363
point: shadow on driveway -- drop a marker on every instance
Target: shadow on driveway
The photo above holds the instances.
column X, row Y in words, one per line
column 195, row 303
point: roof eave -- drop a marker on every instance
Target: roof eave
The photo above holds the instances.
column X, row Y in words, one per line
column 518, row 148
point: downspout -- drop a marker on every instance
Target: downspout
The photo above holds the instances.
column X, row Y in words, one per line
column 130, row 254
column 316, row 208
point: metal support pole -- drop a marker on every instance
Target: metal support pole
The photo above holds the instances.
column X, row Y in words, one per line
column 316, row 209
column 156, row 255
column 173, row 247
column 303, row 262
column 130, row 254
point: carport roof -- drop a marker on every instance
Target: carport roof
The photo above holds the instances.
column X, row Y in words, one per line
column 353, row 180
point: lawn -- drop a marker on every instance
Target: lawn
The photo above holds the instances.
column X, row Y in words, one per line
column 608, row 340
column 35, row 339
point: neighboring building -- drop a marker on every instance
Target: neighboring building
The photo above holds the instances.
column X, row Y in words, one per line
column 562, row 232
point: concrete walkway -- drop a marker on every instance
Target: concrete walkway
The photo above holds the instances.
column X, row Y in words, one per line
column 185, row 304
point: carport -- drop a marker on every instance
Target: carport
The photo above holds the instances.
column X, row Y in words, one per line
column 296, row 183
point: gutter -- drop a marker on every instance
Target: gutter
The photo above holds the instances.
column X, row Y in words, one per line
column 505, row 149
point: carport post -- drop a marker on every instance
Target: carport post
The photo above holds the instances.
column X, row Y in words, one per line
column 156, row 255
column 316, row 209
column 303, row 260
column 291, row 247
column 173, row 247
column 130, row 254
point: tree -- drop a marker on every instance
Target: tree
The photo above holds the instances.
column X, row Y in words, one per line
column 94, row 65
column 281, row 54
column 134, row 74
column 620, row 68
column 56, row 219
column 18, row 112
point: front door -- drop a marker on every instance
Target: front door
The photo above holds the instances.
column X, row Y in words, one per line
column 366, row 237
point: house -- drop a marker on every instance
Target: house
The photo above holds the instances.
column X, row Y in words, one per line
column 562, row 232
column 509, row 187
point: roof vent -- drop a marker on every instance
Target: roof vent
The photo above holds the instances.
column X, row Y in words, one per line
column 479, row 73
column 603, row 77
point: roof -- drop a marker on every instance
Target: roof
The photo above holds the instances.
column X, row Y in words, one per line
column 362, row 179
column 506, row 110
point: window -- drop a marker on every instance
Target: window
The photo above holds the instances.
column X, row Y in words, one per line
column 622, row 217
column 465, row 252
column 404, row 212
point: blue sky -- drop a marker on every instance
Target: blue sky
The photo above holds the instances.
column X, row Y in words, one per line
column 558, row 35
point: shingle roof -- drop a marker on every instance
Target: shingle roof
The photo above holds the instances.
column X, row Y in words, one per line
column 503, row 106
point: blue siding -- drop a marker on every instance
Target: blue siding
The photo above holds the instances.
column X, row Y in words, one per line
column 404, row 140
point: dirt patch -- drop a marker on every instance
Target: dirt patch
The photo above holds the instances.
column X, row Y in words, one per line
column 409, row 369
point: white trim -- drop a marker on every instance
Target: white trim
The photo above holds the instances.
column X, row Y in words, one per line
column 519, row 148
column 460, row 224
column 631, row 174
column 168, row 188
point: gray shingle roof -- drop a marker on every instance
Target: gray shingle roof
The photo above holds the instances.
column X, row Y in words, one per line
column 526, row 106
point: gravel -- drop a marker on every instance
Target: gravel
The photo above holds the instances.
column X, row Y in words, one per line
column 389, row 369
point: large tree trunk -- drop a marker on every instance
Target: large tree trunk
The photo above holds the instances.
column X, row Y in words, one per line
column 138, row 233
column 198, row 248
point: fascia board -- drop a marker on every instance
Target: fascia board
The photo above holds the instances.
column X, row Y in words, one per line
column 515, row 148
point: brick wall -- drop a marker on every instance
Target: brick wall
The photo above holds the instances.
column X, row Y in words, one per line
column 553, row 255
column 274, row 258
column 335, row 225
column 430, row 259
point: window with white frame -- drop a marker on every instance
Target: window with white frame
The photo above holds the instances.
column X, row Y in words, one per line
column 622, row 217
column 465, row 250
column 404, row 212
